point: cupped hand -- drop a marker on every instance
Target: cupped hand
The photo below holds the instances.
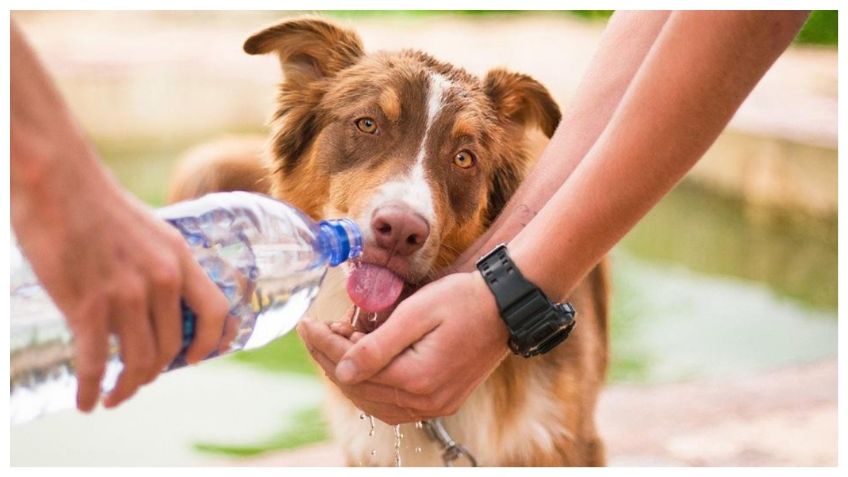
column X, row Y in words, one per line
column 425, row 360
column 113, row 268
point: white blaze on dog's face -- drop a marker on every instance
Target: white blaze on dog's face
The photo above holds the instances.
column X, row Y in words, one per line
column 423, row 155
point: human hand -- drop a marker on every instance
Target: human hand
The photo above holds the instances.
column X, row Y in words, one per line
column 112, row 267
column 425, row 360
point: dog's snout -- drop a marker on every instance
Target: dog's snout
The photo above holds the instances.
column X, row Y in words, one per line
column 399, row 230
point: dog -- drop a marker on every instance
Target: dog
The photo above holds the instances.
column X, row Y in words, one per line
column 423, row 156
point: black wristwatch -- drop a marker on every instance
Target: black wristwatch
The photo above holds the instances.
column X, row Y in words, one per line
column 535, row 324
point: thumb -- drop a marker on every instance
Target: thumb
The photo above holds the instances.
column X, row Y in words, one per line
column 374, row 351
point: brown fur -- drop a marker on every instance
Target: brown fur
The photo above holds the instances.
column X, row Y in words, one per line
column 314, row 164
column 227, row 164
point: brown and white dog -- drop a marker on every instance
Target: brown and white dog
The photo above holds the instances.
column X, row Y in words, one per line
column 423, row 155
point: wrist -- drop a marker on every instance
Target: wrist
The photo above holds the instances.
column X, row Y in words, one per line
column 491, row 315
column 534, row 267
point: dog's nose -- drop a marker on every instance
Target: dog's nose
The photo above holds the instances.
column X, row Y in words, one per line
column 399, row 230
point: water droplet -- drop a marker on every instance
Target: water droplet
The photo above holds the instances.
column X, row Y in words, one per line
column 417, row 450
column 371, row 422
column 419, row 425
column 355, row 316
column 398, row 437
column 373, row 452
column 362, row 416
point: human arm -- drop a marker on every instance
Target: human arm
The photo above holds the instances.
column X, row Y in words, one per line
column 702, row 67
column 623, row 47
column 699, row 70
column 109, row 264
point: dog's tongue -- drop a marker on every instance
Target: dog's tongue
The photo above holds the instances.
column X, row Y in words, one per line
column 373, row 288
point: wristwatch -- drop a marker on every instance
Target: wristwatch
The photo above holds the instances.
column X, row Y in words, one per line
column 535, row 324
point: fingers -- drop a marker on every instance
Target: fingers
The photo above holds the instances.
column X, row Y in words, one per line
column 210, row 306
column 132, row 325
column 231, row 328
column 342, row 328
column 167, row 318
column 318, row 336
column 92, row 351
column 327, row 347
column 375, row 351
column 363, row 395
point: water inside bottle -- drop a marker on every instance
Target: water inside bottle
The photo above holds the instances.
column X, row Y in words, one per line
column 266, row 303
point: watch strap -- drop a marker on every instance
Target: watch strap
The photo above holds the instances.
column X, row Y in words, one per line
column 535, row 324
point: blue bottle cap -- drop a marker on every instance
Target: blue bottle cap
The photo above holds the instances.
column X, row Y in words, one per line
column 344, row 239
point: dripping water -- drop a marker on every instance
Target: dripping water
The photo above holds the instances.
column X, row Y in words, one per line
column 370, row 423
column 398, row 437
column 355, row 317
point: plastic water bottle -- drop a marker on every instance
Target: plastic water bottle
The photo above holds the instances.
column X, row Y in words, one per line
column 266, row 256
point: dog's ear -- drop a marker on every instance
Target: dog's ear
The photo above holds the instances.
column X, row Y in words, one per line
column 308, row 48
column 521, row 100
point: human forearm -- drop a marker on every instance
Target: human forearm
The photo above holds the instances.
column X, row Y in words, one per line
column 625, row 43
column 108, row 264
column 699, row 71
column 50, row 158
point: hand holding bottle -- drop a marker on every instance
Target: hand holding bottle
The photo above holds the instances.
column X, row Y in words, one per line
column 109, row 264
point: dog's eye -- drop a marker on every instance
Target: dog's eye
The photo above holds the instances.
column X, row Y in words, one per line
column 366, row 125
column 464, row 159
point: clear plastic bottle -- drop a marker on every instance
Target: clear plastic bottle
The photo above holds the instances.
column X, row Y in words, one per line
column 266, row 256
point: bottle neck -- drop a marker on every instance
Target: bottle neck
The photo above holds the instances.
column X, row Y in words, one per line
column 341, row 240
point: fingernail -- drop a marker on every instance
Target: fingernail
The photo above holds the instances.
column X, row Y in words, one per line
column 346, row 371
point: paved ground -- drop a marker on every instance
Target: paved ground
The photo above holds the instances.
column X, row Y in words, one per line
column 787, row 417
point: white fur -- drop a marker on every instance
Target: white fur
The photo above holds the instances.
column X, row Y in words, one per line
column 412, row 189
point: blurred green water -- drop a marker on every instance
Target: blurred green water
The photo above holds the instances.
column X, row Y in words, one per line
column 794, row 255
